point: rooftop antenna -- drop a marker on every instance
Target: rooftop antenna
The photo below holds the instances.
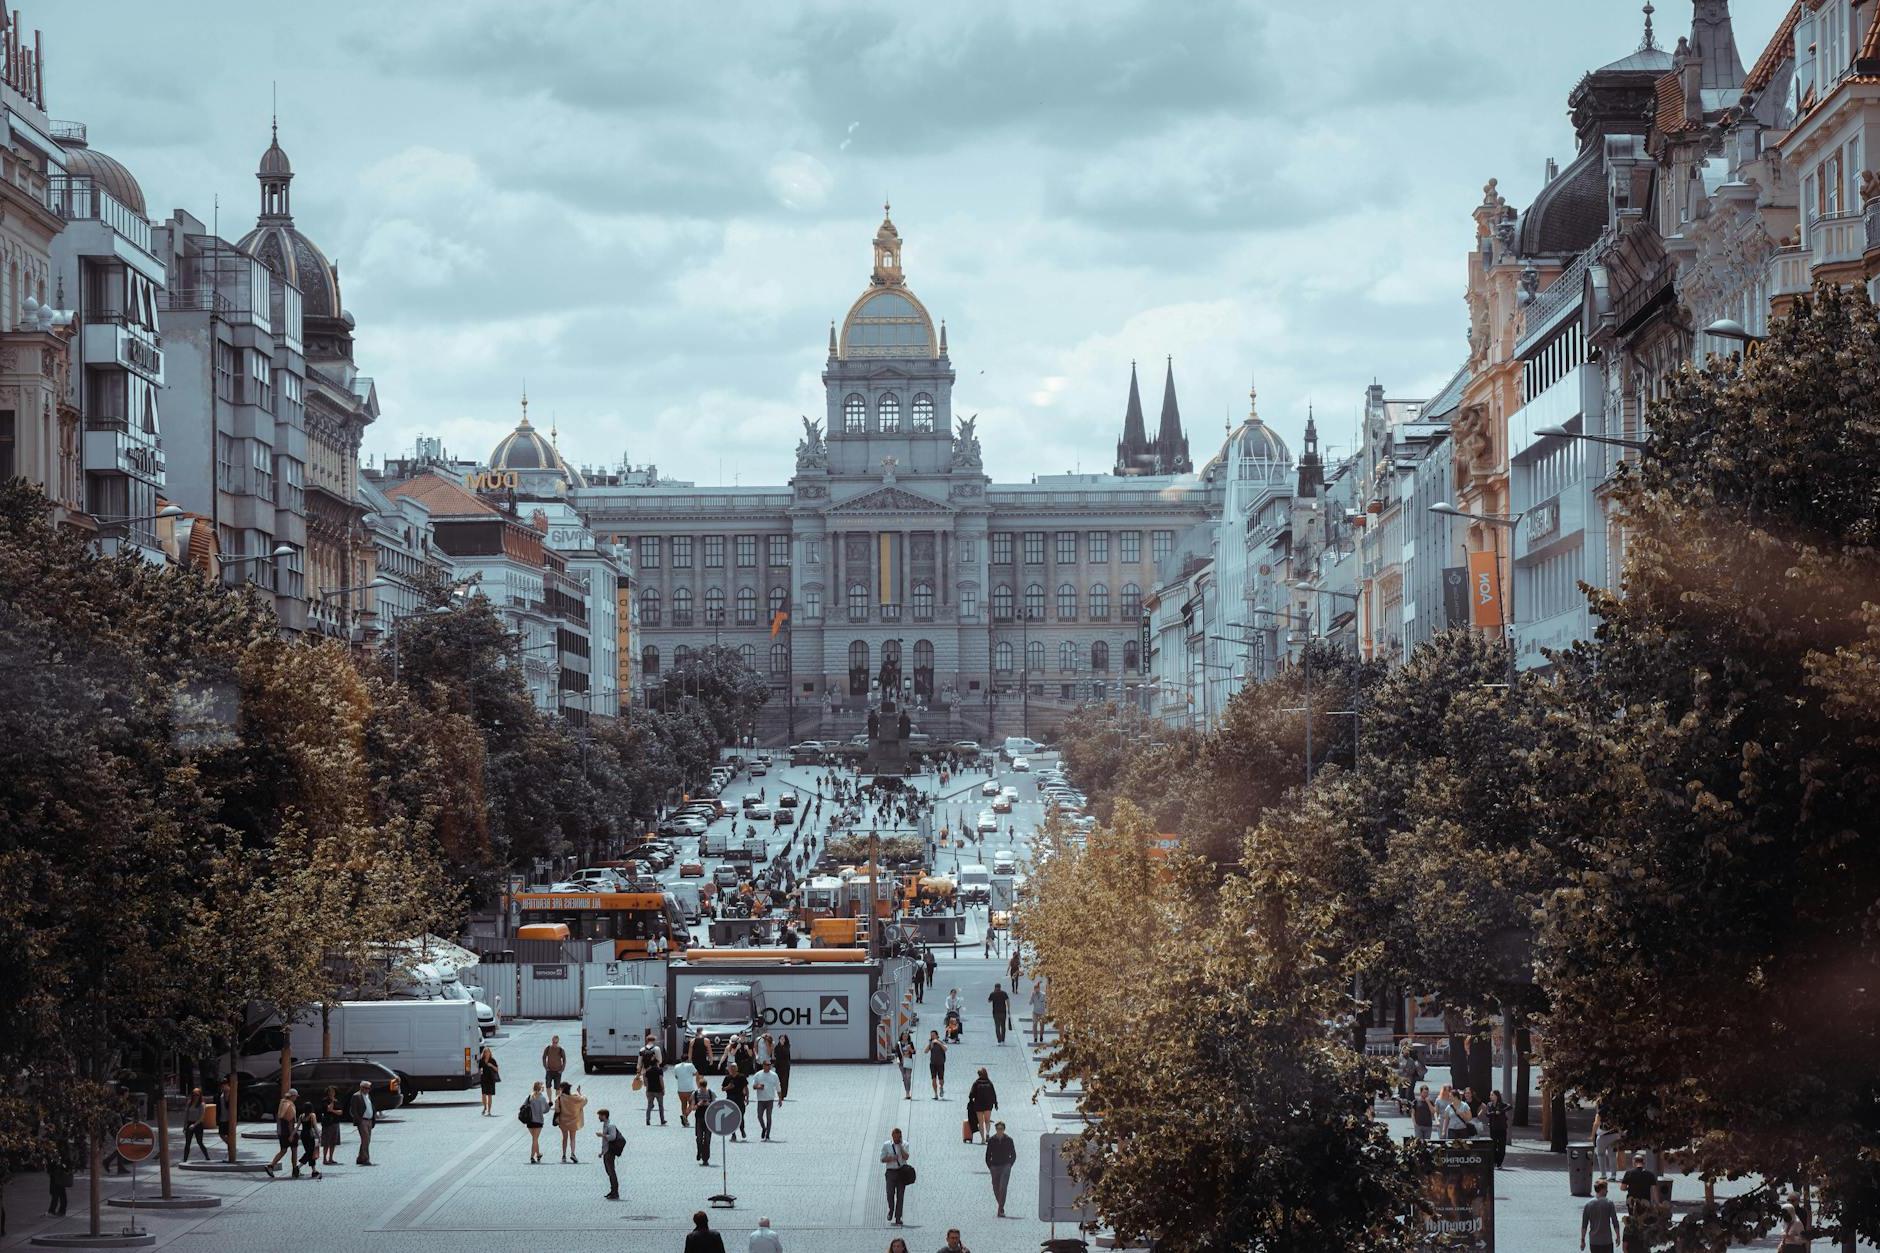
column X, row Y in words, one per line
column 274, row 111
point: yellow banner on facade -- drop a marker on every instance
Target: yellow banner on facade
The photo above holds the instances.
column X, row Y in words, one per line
column 888, row 568
column 1484, row 590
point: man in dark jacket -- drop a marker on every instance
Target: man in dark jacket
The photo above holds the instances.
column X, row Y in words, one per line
column 1001, row 1008
column 360, row 1110
column 702, row 1239
column 1001, row 1153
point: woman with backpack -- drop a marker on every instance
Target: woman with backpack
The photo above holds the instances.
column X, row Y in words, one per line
column 981, row 1099
column 532, row 1114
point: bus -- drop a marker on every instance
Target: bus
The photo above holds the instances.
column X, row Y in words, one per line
column 632, row 920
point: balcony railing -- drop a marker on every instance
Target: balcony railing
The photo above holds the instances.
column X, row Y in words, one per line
column 890, row 613
column 1838, row 238
column 76, row 198
column 1788, row 271
column 1871, row 220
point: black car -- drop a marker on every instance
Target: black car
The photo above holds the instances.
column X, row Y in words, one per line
column 312, row 1078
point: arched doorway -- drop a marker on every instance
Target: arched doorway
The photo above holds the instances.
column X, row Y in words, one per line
column 858, row 668
column 923, row 670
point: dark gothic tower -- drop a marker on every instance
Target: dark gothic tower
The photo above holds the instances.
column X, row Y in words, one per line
column 1133, row 454
column 1311, row 469
column 1171, row 446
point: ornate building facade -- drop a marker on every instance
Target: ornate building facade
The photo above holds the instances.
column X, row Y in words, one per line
column 1004, row 604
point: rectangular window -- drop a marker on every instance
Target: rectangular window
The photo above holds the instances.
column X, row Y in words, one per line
column 263, row 462
column 714, row 552
column 9, row 441
column 1131, row 542
column 682, row 552
column 225, row 464
column 812, row 551
column 812, row 606
column 777, row 549
column 649, row 552
column 1162, row 543
column 747, row 552
column 969, row 604
column 1067, row 548
column 1097, row 544
column 969, row 551
column 1001, row 548
column 1034, row 548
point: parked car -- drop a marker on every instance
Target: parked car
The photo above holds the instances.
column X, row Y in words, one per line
column 786, row 817
column 313, row 1077
column 759, row 812
column 966, row 748
column 726, row 877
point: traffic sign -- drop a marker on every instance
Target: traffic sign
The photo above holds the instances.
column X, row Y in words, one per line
column 136, row 1141
column 723, row 1117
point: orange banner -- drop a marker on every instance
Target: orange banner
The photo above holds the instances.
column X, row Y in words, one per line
column 1484, row 590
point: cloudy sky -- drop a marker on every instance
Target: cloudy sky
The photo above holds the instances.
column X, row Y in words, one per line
column 651, row 212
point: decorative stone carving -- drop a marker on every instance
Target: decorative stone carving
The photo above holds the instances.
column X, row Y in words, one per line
column 966, row 455
column 811, row 452
column 887, row 469
column 812, row 491
column 888, row 500
column 966, row 491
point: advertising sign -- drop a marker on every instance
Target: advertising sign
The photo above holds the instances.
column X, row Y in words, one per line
column 824, row 1007
column 1455, row 596
column 1484, row 590
column 1461, row 1192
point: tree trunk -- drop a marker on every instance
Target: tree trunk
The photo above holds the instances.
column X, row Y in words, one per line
column 231, row 1117
column 1557, row 1106
column 1509, row 1026
column 96, row 1206
column 163, row 1139
column 1522, row 1083
column 326, row 1030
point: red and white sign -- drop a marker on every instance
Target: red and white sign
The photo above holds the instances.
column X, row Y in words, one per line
column 136, row 1141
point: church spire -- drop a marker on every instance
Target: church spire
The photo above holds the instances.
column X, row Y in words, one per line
column 1171, row 446
column 1311, row 469
column 1132, row 451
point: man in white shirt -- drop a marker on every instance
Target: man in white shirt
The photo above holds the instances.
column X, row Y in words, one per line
column 764, row 1240
column 894, row 1161
column 764, row 1091
column 684, row 1079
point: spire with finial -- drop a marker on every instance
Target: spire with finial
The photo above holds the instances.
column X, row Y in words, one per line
column 887, row 252
column 274, row 175
column 1133, row 451
column 1253, row 399
column 832, row 338
column 1650, row 41
column 1311, row 468
column 943, row 337
column 525, row 403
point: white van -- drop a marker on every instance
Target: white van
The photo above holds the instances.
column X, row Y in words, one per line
column 1019, row 746
column 615, row 1022
column 685, row 896
column 975, row 883
column 430, row 1045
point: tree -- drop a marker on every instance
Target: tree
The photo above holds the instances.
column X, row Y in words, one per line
column 718, row 683
column 1713, row 967
column 1173, row 1003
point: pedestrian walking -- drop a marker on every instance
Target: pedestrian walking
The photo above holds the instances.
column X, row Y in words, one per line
column 554, row 1062
column 765, row 1239
column 225, row 1107
column 570, row 1117
column 1001, row 1005
column 953, row 1244
column 1037, row 1013
column 488, row 1076
column 613, row 1144
column 737, row 1090
column 58, row 1179
column 898, row 1172
column 1495, row 1113
column 1599, row 1221
column 286, row 1115
column 702, row 1134
column 684, row 1078
column 699, row 1053
column 927, row 959
column 1794, row 1229
column 309, row 1156
column 981, row 1099
column 360, row 1110
column 1639, row 1184
column 783, row 1060
column 764, row 1092
column 1011, row 969
column 904, row 1061
column 651, row 1078
column 1001, row 1154
column 1423, row 1113
column 534, row 1113
column 192, row 1123
column 702, row 1239
column 332, row 1114
column 766, row 1048
column 1605, row 1145
column 936, row 1051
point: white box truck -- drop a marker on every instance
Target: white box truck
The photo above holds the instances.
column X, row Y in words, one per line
column 614, row 1024
column 686, row 897
column 431, row 1045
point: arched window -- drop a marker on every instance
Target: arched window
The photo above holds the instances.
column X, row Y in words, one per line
column 1132, row 601
column 779, row 597
column 1100, row 657
column 1034, row 603
column 747, row 654
column 1132, row 655
column 681, row 655
column 1002, row 603
column 714, row 605
column 923, row 414
column 682, row 608
column 779, row 660
column 858, row 668
column 858, row 602
column 649, row 606
column 889, row 411
column 649, row 660
column 1002, row 657
column 1034, row 655
column 923, row 669
column 1100, row 603
column 747, row 606
column 923, row 602
column 1067, row 602
column 854, row 415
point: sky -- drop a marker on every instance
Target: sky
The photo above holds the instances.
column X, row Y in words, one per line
column 648, row 214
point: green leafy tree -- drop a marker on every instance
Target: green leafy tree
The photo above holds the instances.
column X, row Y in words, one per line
column 1713, row 967
column 718, row 683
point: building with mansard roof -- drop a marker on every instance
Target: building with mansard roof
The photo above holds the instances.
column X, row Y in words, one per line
column 1004, row 603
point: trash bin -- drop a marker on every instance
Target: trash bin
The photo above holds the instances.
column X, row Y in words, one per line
column 1661, row 1193
column 1580, row 1169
